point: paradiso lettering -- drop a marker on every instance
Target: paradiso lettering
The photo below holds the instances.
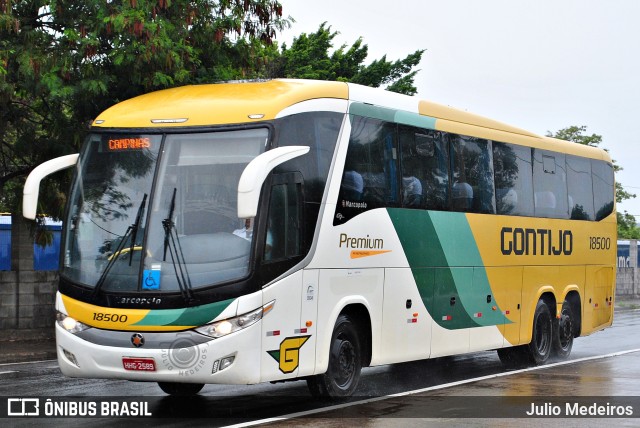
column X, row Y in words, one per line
column 543, row 242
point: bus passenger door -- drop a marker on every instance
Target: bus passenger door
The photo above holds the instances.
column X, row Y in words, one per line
column 281, row 339
column 309, row 321
column 285, row 347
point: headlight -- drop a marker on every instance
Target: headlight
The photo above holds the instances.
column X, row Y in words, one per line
column 70, row 324
column 230, row 325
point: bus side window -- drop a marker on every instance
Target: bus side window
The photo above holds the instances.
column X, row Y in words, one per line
column 580, row 188
column 425, row 169
column 472, row 188
column 370, row 177
column 282, row 239
column 550, row 184
column 603, row 188
column 513, row 179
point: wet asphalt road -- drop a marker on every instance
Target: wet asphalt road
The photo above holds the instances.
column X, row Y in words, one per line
column 603, row 365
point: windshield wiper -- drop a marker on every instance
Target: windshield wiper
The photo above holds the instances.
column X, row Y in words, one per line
column 172, row 243
column 135, row 226
column 131, row 231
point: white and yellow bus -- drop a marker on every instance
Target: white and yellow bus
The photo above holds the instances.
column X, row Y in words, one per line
column 241, row 233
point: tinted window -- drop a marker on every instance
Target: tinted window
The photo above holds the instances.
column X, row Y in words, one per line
column 425, row 169
column 283, row 225
column 370, row 174
column 580, row 188
column 549, row 184
column 472, row 175
column 603, row 188
column 513, row 177
column 319, row 131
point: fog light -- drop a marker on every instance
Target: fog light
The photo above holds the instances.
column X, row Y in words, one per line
column 222, row 363
column 72, row 358
column 226, row 362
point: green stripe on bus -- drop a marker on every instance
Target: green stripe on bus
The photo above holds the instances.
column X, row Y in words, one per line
column 196, row 316
column 415, row 119
column 392, row 115
column 447, row 268
column 368, row 110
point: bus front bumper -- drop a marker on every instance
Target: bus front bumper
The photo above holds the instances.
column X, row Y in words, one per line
column 165, row 357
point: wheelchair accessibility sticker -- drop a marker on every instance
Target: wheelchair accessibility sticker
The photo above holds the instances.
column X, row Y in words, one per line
column 151, row 278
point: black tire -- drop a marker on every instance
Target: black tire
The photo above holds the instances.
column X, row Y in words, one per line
column 539, row 349
column 180, row 389
column 345, row 363
column 563, row 332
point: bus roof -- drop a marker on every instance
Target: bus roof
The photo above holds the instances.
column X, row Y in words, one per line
column 242, row 102
column 218, row 103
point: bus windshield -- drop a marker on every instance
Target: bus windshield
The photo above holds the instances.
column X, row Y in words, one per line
column 127, row 231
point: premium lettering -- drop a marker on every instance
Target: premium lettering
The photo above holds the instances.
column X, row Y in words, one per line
column 361, row 243
column 535, row 242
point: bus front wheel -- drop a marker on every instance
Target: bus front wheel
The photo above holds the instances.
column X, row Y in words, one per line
column 345, row 363
column 542, row 335
column 180, row 389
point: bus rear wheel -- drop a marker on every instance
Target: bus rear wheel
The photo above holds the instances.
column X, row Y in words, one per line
column 542, row 336
column 180, row 389
column 563, row 334
column 345, row 363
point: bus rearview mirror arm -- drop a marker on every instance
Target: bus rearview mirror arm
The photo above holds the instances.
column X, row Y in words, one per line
column 256, row 172
column 32, row 185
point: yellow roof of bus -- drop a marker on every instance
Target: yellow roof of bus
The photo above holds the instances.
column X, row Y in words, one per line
column 216, row 104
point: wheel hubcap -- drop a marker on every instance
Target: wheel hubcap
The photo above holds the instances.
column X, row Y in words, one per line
column 565, row 330
column 345, row 364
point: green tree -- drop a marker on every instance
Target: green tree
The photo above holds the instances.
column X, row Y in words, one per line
column 64, row 61
column 309, row 57
column 627, row 227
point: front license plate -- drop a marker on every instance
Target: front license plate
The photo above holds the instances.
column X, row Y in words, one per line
column 139, row 364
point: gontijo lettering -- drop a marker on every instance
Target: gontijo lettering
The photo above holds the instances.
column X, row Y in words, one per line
column 527, row 242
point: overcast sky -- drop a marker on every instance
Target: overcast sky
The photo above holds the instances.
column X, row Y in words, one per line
column 540, row 65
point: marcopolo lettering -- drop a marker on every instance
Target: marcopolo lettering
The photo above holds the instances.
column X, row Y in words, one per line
column 535, row 242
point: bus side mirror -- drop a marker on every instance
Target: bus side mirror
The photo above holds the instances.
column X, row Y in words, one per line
column 32, row 185
column 256, row 172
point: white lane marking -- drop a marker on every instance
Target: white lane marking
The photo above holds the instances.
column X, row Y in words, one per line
column 431, row 388
column 10, row 371
column 28, row 362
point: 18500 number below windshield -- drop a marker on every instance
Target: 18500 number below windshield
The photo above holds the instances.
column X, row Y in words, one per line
column 184, row 236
